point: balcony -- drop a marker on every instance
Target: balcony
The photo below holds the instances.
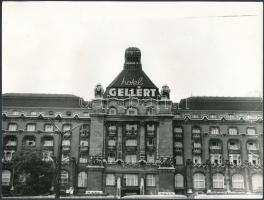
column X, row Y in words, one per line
column 131, row 132
column 178, row 135
column 196, row 135
column 197, row 150
column 150, row 133
column 151, row 147
column 111, row 147
column 84, row 148
column 66, row 148
column 178, row 149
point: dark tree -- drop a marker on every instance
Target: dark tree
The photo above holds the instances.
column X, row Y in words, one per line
column 33, row 176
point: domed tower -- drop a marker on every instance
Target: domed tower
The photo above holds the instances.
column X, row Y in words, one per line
column 132, row 59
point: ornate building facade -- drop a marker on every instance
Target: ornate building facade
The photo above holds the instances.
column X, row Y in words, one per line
column 132, row 139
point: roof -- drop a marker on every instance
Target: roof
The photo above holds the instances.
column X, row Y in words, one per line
column 40, row 100
column 222, row 103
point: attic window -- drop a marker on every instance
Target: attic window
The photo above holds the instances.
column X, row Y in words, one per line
column 51, row 112
column 68, row 113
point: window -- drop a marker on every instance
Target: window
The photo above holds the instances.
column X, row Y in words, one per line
column 111, row 143
column 31, row 127
column 33, row 113
column 179, row 183
column 51, row 112
column 253, row 159
column 212, row 116
column 257, row 179
column 110, row 179
column 218, row 181
column 198, row 181
column 68, row 113
column 48, row 142
column 66, row 143
column 150, row 142
column 251, row 131
column 131, row 180
column 111, row 157
column 64, row 178
column 8, row 155
column 29, row 141
column 150, row 158
column 48, row 128
column 82, row 179
column 66, row 127
column 178, row 130
column 178, row 144
column 85, row 114
column 47, row 155
column 233, row 145
column 197, row 160
column 10, row 142
column 6, row 176
column 112, row 111
column 196, row 130
column 131, row 158
column 234, row 159
column 150, row 180
column 12, row 127
column 232, row 131
column 214, row 130
column 132, row 111
column 150, row 111
column 65, row 157
column 252, row 146
column 131, row 143
column 150, row 129
column 195, row 116
column 83, row 158
column 131, row 128
column 15, row 112
column 84, row 143
column 216, row 158
column 84, row 130
column 112, row 129
column 179, row 160
column 196, row 145
column 237, row 181
column 215, row 145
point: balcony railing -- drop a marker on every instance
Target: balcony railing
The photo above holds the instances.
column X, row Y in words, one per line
column 215, row 148
column 84, row 148
column 66, row 148
column 150, row 133
column 197, row 150
column 196, row 135
column 131, row 132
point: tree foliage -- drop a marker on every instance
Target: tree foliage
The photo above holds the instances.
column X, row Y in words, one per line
column 33, row 176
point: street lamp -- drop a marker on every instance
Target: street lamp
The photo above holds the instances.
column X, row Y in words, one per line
column 59, row 157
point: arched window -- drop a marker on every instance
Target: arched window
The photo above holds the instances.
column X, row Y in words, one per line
column 110, row 179
column 198, row 181
column 10, row 141
column 6, row 175
column 132, row 111
column 47, row 141
column 179, row 183
column 196, row 130
column 237, row 181
column 218, row 181
column 257, row 183
column 112, row 111
column 29, row 141
column 64, row 178
column 82, row 179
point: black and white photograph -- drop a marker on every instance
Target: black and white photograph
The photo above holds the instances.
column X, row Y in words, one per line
column 132, row 100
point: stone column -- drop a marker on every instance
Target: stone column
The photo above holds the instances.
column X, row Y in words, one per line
column 119, row 141
column 227, row 176
column 142, row 141
column 247, row 181
column 189, row 184
column 208, row 182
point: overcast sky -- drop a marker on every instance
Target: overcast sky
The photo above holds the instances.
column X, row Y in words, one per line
column 198, row 49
